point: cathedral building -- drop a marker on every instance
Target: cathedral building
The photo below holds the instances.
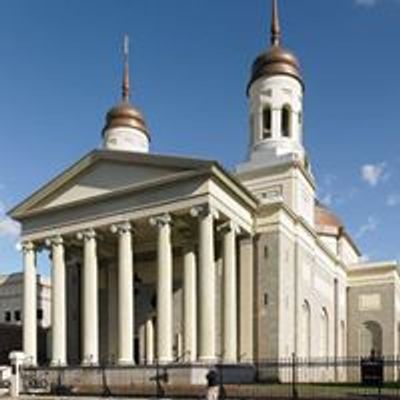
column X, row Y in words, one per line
column 171, row 260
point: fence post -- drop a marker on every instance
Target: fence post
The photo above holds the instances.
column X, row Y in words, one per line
column 294, row 376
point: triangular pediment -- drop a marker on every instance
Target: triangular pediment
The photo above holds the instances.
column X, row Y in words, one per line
column 104, row 173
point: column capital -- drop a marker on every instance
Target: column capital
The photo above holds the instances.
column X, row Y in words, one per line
column 121, row 228
column 161, row 220
column 204, row 210
column 26, row 246
column 229, row 226
column 86, row 234
column 56, row 240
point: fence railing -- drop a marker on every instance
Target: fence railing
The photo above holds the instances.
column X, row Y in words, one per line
column 291, row 378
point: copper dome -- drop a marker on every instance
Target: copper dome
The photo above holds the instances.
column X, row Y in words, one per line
column 125, row 115
column 325, row 217
column 277, row 60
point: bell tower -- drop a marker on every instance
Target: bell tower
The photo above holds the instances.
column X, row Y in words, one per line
column 275, row 93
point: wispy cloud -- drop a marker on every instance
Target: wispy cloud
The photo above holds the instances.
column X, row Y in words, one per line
column 367, row 3
column 326, row 189
column 331, row 193
column 393, row 200
column 8, row 227
column 369, row 227
column 365, row 258
column 373, row 174
column 372, row 3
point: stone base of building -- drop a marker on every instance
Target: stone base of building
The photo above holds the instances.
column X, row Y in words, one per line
column 138, row 380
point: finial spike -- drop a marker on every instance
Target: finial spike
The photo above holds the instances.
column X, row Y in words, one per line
column 125, row 80
column 275, row 26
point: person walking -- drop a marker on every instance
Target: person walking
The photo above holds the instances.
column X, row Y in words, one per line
column 212, row 385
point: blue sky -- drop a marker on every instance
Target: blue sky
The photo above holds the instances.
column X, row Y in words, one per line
column 60, row 71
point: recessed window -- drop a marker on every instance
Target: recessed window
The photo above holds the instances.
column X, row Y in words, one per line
column 267, row 123
column 266, row 252
column 17, row 315
column 39, row 314
column 7, row 316
column 286, row 122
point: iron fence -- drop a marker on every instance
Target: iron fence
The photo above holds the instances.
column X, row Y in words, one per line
column 291, row 378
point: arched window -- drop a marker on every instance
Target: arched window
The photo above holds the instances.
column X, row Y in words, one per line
column 267, row 123
column 324, row 337
column 343, row 350
column 286, row 121
column 306, row 329
column 371, row 338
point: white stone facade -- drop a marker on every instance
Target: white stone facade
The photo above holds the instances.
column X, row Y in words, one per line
column 167, row 260
column 11, row 300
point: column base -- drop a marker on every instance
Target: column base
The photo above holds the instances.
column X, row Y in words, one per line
column 164, row 361
column 86, row 363
column 207, row 360
column 125, row 363
column 229, row 361
column 57, row 363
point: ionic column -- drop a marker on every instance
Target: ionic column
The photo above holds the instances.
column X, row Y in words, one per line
column 125, row 293
column 30, row 300
column 207, row 286
column 149, row 342
column 189, row 304
column 229, row 346
column 112, row 306
column 90, row 298
column 142, row 344
column 58, row 299
column 164, row 332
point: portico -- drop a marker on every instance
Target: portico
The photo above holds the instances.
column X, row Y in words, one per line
column 171, row 255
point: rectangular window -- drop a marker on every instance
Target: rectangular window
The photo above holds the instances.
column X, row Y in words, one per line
column 267, row 123
column 17, row 315
column 39, row 314
column 7, row 316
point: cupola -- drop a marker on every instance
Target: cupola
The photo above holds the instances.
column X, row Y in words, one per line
column 275, row 92
column 125, row 128
column 276, row 60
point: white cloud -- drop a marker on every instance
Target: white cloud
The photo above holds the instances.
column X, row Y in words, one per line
column 331, row 193
column 366, row 3
column 9, row 228
column 373, row 174
column 368, row 227
column 371, row 3
column 393, row 200
column 365, row 258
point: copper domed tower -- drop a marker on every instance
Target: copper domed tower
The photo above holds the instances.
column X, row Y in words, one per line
column 275, row 92
column 125, row 127
column 277, row 60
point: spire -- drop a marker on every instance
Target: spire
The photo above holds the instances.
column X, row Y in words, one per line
column 125, row 81
column 275, row 25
